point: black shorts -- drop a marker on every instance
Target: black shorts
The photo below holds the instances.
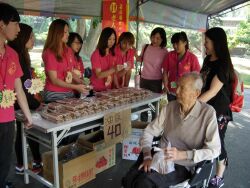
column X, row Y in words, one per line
column 152, row 85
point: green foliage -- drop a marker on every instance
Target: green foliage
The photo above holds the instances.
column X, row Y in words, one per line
column 96, row 21
column 72, row 24
column 242, row 36
column 40, row 74
column 145, row 30
column 40, row 38
column 215, row 22
column 246, row 79
column 40, row 26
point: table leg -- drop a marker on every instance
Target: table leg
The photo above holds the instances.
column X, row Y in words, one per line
column 55, row 160
column 25, row 155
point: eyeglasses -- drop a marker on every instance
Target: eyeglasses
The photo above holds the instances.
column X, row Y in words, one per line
column 79, row 43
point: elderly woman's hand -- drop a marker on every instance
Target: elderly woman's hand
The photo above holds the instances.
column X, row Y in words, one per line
column 173, row 154
column 146, row 165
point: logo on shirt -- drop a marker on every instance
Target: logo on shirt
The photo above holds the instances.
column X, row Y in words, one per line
column 12, row 68
column 187, row 66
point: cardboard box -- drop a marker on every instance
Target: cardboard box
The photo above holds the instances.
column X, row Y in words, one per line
column 72, row 173
column 131, row 145
column 131, row 148
column 105, row 156
column 138, row 127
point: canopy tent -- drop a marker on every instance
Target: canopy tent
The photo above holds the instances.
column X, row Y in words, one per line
column 62, row 8
column 190, row 14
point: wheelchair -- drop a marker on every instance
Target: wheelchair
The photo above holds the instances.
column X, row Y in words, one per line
column 200, row 175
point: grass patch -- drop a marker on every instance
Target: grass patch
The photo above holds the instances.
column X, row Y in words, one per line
column 246, row 80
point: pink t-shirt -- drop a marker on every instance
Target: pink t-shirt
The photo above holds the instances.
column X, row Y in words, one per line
column 124, row 58
column 61, row 68
column 175, row 69
column 79, row 65
column 152, row 62
column 10, row 69
column 104, row 63
column 121, row 58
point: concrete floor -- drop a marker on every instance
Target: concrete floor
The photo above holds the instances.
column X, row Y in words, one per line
column 236, row 176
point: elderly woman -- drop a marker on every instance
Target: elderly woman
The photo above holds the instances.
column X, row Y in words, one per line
column 191, row 128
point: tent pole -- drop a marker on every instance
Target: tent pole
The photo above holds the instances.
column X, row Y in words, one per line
column 137, row 23
column 138, row 4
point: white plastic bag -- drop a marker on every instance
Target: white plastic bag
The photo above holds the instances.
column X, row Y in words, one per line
column 159, row 164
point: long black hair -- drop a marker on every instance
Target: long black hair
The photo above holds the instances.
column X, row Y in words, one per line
column 19, row 43
column 219, row 38
column 103, row 41
column 72, row 37
column 8, row 13
column 181, row 36
column 162, row 33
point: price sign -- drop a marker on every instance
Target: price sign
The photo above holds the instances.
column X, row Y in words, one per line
column 126, row 119
column 116, row 126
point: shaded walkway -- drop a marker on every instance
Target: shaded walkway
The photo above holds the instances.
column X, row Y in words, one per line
column 237, row 143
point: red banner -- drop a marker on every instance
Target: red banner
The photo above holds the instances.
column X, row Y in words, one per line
column 115, row 15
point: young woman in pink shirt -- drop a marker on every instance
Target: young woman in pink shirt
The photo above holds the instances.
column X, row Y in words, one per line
column 103, row 61
column 59, row 64
column 75, row 43
column 22, row 44
column 153, row 56
column 178, row 62
column 124, row 59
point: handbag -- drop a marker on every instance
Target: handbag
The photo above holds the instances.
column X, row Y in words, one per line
column 138, row 76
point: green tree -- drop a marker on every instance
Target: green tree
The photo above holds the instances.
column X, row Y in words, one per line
column 215, row 21
column 242, row 37
column 145, row 30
